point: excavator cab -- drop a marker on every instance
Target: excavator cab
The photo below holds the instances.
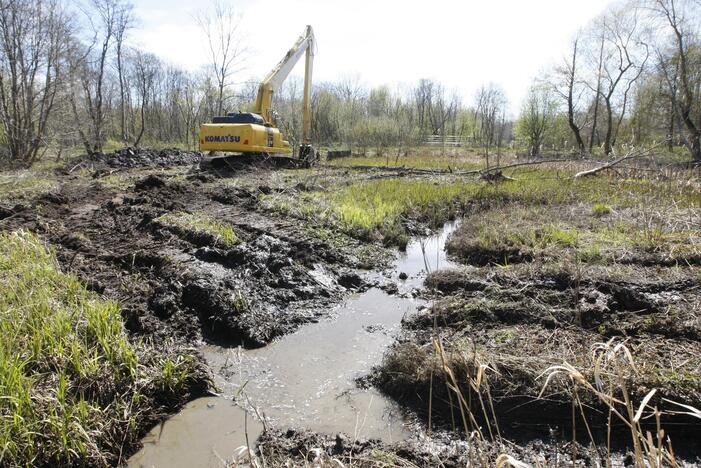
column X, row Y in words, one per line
column 255, row 133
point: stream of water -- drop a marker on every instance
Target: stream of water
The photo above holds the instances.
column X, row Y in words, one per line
column 306, row 379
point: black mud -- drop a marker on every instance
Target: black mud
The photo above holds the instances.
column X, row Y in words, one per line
column 301, row 448
column 133, row 158
column 175, row 282
column 522, row 320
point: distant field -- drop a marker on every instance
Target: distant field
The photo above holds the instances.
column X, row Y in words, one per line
column 423, row 158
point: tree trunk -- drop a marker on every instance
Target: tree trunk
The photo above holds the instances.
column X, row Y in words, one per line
column 76, row 117
column 670, row 133
column 570, row 103
column 694, row 144
column 598, row 92
column 97, row 144
column 123, row 112
column 609, row 128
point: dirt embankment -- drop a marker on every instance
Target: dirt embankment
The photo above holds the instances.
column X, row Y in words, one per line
column 304, row 448
column 606, row 299
column 132, row 158
column 189, row 255
column 184, row 282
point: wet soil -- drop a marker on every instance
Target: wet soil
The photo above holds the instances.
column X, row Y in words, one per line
column 172, row 282
column 179, row 287
column 310, row 379
column 300, row 448
column 519, row 320
column 291, row 323
column 132, row 158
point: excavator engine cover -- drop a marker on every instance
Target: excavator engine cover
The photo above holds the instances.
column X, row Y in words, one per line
column 242, row 133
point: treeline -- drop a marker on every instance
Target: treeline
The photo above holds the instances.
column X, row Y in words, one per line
column 69, row 78
column 632, row 77
column 380, row 119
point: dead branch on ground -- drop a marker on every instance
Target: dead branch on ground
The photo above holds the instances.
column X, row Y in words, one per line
column 634, row 154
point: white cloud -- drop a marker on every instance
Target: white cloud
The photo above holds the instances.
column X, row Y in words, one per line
column 461, row 43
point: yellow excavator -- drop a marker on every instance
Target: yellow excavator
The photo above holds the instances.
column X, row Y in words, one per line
column 255, row 133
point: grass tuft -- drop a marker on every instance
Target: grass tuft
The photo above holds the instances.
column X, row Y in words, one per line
column 72, row 384
column 200, row 223
column 378, row 208
column 599, row 210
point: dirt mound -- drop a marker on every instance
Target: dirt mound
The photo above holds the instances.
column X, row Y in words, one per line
column 136, row 157
column 5, row 212
column 181, row 280
column 523, row 320
column 151, row 181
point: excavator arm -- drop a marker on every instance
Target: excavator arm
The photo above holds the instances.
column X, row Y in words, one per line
column 271, row 83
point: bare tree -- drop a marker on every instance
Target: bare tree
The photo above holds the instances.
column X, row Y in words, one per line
column 32, row 38
column 567, row 86
column 623, row 59
column 434, row 110
column 631, row 44
column 423, row 97
column 681, row 74
column 123, row 22
column 597, row 92
column 90, row 68
column 489, row 103
column 288, row 109
column 145, row 68
column 227, row 51
column 351, row 92
column 537, row 117
column 402, row 113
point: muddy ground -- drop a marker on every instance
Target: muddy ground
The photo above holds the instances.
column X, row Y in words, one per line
column 544, row 284
column 518, row 306
column 304, row 448
column 178, row 283
column 179, row 286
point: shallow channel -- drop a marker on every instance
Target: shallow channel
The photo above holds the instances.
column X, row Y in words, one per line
column 306, row 379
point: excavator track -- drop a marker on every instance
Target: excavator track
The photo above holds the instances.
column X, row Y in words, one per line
column 222, row 161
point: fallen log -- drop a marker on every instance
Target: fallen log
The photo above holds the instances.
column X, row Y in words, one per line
column 596, row 170
column 631, row 155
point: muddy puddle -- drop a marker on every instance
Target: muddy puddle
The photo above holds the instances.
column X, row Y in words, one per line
column 307, row 379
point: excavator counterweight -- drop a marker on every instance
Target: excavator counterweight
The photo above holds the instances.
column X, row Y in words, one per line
column 255, row 133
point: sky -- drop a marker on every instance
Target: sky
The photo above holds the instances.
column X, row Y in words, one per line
column 462, row 44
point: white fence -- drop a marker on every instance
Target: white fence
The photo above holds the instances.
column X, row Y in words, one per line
column 441, row 140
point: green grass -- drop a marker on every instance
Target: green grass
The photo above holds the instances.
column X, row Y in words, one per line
column 599, row 210
column 25, row 183
column 370, row 204
column 494, row 235
column 549, row 186
column 376, row 208
column 424, row 161
column 379, row 206
column 72, row 384
column 535, row 217
column 552, row 234
column 201, row 223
